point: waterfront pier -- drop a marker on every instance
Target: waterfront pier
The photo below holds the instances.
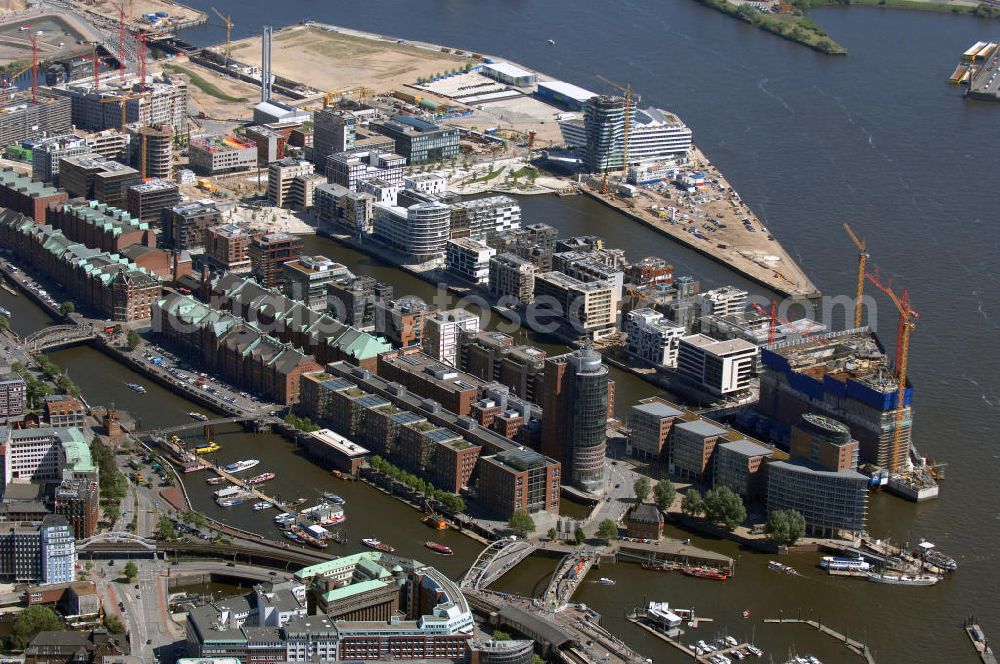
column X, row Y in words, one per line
column 855, row 646
column 979, row 641
column 984, row 83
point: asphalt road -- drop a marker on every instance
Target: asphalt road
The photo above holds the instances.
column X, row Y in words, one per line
column 618, row 498
column 143, row 610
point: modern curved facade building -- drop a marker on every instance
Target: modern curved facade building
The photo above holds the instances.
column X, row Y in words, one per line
column 420, row 231
column 577, row 399
column 501, row 652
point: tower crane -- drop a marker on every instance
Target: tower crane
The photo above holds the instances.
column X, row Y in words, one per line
column 97, row 65
column 141, row 39
column 120, row 100
column 862, row 264
column 121, row 38
column 34, row 69
column 772, row 333
column 229, row 31
column 8, row 80
column 907, row 322
column 627, row 125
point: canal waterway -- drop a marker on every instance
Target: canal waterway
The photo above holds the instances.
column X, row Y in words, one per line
column 875, row 138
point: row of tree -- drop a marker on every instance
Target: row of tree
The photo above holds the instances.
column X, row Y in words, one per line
column 663, row 492
column 111, row 480
column 448, row 501
column 428, row 79
column 303, row 424
column 38, row 389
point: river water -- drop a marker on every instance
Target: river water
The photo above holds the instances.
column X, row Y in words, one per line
column 875, row 138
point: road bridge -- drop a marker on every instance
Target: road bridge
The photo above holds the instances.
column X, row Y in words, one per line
column 117, row 537
column 280, row 557
column 261, row 414
column 494, row 561
column 58, row 336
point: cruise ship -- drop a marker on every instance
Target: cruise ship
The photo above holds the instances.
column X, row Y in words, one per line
column 240, row 466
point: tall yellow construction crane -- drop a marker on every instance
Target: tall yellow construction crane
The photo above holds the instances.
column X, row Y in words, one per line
column 862, row 264
column 627, row 89
column 229, row 30
column 120, row 100
column 10, row 77
column 907, row 322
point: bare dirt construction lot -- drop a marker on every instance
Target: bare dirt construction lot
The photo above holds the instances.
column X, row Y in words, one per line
column 12, row 6
column 333, row 61
column 522, row 114
column 218, row 96
column 136, row 8
column 58, row 37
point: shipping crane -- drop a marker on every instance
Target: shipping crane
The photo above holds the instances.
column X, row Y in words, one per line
column 862, row 264
column 907, row 322
column 229, row 31
column 627, row 89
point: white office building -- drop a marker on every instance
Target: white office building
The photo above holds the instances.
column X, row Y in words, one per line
column 58, row 550
column 427, row 183
column 719, row 367
column 349, row 168
column 651, row 337
column 45, row 155
column 482, row 217
column 724, row 301
column 442, row 332
column 656, row 134
column 43, row 453
column 420, row 232
column 470, row 260
column 382, row 191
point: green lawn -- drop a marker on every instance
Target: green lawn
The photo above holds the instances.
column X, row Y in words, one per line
column 205, row 86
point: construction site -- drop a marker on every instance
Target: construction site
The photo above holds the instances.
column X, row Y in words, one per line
column 848, row 376
column 335, row 59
